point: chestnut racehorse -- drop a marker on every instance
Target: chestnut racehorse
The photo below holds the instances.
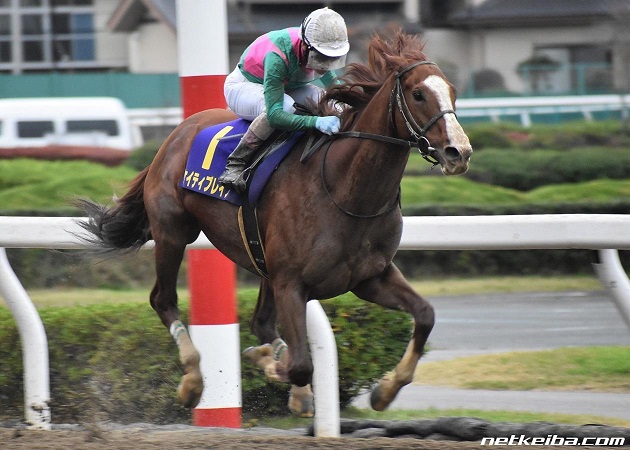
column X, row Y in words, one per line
column 330, row 223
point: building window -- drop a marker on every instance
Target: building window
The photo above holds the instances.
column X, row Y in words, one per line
column 5, row 52
column 51, row 34
column 5, row 38
column 32, row 24
column 73, row 37
column 33, row 51
column 5, row 25
column 71, row 2
column 27, row 3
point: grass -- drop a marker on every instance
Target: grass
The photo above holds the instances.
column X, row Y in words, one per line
column 597, row 191
column 27, row 184
column 602, row 369
column 445, row 286
column 506, row 284
column 67, row 297
column 462, row 191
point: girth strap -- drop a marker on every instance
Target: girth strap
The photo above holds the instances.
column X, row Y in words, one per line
column 248, row 225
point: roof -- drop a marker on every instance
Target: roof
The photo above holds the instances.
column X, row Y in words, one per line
column 504, row 13
column 130, row 13
column 253, row 19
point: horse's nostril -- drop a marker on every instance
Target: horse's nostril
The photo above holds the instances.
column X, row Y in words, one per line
column 452, row 154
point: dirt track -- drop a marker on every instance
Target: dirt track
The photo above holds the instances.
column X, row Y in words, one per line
column 439, row 434
column 171, row 440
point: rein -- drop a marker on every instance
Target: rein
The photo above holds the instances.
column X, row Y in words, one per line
column 419, row 134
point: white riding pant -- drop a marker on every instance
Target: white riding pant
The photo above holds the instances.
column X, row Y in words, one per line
column 247, row 99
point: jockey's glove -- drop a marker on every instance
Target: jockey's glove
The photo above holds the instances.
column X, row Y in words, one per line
column 328, row 124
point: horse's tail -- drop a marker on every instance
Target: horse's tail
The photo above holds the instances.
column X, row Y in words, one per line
column 124, row 226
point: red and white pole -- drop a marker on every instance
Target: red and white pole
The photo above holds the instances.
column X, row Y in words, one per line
column 202, row 39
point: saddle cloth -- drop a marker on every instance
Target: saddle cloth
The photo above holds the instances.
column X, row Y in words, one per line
column 208, row 157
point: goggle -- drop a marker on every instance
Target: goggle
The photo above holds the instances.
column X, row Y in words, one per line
column 318, row 61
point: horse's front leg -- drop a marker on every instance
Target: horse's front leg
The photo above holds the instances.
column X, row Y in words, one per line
column 291, row 310
column 391, row 290
column 272, row 356
column 163, row 297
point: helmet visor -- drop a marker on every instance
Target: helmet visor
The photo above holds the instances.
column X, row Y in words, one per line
column 318, row 61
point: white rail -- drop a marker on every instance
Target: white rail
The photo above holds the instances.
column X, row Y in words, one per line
column 603, row 232
column 496, row 108
column 543, row 231
column 586, row 105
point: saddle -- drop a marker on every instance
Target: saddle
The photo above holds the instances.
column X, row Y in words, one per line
column 207, row 160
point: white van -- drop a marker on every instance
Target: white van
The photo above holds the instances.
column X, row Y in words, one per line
column 79, row 121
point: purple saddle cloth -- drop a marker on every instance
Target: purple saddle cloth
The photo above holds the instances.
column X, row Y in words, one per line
column 208, row 157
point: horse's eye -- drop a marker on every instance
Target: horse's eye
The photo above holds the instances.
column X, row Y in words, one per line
column 417, row 95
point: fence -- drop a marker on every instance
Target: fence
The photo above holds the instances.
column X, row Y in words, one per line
column 522, row 110
column 601, row 232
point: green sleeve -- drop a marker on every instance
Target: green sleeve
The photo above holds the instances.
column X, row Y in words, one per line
column 276, row 73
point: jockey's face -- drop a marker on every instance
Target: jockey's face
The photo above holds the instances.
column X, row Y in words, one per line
column 318, row 62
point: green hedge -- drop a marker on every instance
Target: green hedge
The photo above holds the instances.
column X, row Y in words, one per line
column 457, row 263
column 568, row 135
column 526, row 170
column 117, row 362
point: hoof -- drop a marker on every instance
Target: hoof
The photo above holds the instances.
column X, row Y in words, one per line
column 376, row 400
column 385, row 392
column 256, row 354
column 262, row 356
column 190, row 389
column 301, row 401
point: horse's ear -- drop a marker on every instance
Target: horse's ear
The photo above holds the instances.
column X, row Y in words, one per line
column 377, row 56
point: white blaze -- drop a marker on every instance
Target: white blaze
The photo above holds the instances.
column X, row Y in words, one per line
column 456, row 136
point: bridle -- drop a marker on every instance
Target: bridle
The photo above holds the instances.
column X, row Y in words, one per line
column 417, row 132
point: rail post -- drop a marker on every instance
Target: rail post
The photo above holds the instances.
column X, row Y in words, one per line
column 203, row 63
column 612, row 275
column 323, row 347
column 34, row 347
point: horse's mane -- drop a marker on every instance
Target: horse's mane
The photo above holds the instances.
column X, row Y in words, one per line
column 362, row 81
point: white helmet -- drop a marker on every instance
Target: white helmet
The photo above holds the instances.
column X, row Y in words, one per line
column 325, row 31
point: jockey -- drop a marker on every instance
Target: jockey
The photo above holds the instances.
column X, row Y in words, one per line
column 275, row 72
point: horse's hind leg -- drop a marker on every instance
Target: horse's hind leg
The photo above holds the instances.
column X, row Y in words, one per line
column 273, row 355
column 263, row 325
column 169, row 252
column 391, row 290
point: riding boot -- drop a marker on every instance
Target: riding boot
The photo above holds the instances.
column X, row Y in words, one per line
column 256, row 134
